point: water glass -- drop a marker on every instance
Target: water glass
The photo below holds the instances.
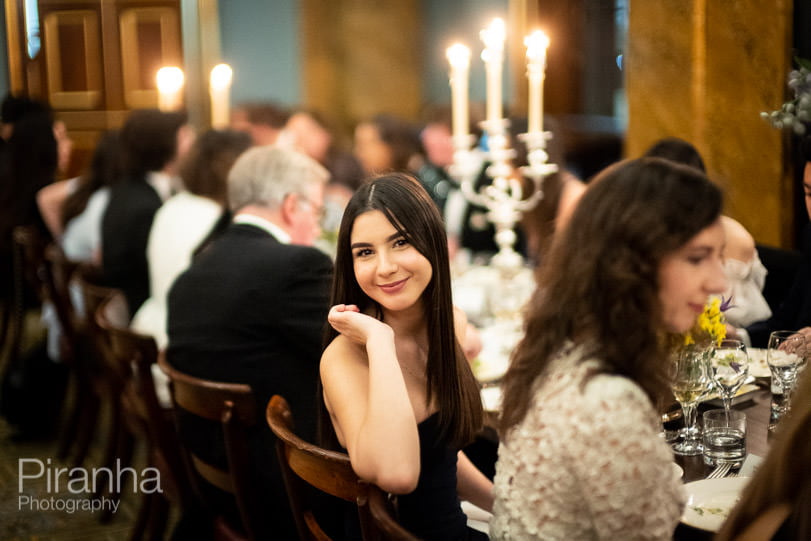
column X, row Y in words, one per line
column 786, row 355
column 724, row 437
column 730, row 368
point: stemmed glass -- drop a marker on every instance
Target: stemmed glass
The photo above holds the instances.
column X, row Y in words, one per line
column 690, row 382
column 730, row 367
column 786, row 355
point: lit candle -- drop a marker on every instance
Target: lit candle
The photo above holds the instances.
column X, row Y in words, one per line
column 493, row 55
column 220, row 91
column 459, row 59
column 536, row 43
column 170, row 88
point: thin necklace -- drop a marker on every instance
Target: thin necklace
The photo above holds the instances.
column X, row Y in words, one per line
column 423, row 354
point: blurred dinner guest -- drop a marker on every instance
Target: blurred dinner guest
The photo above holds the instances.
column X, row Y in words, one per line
column 309, row 131
column 386, row 143
column 437, row 142
column 81, row 204
column 795, row 311
column 83, row 208
column 745, row 273
column 580, row 454
column 51, row 197
column 13, row 109
column 28, row 162
column 561, row 192
column 189, row 218
column 252, row 308
column 264, row 121
column 31, row 385
column 152, row 142
column 776, row 503
column 397, row 386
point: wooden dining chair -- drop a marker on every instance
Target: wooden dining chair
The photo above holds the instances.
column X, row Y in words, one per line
column 100, row 384
column 132, row 357
column 58, row 271
column 233, row 406
column 304, row 464
column 32, row 385
column 382, row 512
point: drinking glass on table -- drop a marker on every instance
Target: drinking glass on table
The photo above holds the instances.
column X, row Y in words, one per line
column 691, row 380
column 786, row 356
column 730, row 368
column 724, row 437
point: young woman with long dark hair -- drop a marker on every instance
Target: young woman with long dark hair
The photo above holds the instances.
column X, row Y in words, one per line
column 399, row 391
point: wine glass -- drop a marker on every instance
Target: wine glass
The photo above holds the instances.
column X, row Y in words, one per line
column 690, row 382
column 730, row 368
column 786, row 355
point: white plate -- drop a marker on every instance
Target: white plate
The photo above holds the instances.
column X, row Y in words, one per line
column 709, row 501
column 678, row 470
column 757, row 363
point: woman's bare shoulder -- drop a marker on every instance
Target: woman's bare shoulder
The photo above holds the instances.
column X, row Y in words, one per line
column 342, row 354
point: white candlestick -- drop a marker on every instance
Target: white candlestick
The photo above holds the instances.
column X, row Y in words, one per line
column 459, row 59
column 493, row 55
column 170, row 88
column 220, row 92
column 536, row 43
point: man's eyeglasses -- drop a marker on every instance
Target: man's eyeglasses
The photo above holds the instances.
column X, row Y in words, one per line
column 318, row 210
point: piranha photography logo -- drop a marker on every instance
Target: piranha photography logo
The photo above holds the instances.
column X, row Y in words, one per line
column 44, row 486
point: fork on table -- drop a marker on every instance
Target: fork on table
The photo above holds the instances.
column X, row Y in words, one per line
column 720, row 471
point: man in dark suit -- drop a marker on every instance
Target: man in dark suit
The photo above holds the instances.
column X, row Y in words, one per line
column 794, row 313
column 253, row 305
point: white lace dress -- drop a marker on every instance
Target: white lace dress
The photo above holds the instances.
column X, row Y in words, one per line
column 587, row 462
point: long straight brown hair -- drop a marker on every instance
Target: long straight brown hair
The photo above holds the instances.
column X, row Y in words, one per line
column 409, row 208
column 784, row 476
column 599, row 286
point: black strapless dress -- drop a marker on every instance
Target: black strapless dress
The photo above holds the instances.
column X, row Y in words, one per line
column 433, row 511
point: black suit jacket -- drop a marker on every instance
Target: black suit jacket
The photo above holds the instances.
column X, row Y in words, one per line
column 252, row 310
column 794, row 312
column 124, row 236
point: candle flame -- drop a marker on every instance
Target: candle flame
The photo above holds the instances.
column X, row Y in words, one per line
column 458, row 55
column 536, row 43
column 494, row 35
column 221, row 76
column 169, row 79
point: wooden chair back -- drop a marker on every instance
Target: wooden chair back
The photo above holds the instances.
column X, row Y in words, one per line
column 28, row 247
column 233, row 406
column 382, row 511
column 136, row 354
column 328, row 471
column 58, row 271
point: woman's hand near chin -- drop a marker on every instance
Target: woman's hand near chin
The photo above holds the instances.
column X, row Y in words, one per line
column 348, row 320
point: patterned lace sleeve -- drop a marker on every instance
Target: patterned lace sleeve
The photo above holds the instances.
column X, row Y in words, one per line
column 622, row 465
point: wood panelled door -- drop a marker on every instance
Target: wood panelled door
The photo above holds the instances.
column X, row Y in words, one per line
column 91, row 60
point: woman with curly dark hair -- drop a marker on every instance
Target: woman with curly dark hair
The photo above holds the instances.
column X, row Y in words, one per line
column 580, row 454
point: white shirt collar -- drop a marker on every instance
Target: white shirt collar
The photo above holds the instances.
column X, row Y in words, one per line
column 275, row 231
column 162, row 183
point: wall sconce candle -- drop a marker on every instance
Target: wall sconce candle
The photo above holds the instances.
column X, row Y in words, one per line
column 170, row 81
column 220, row 94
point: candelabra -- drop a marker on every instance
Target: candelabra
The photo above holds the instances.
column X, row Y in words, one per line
column 504, row 198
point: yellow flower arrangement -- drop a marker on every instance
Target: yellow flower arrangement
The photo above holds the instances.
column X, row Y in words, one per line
column 710, row 325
